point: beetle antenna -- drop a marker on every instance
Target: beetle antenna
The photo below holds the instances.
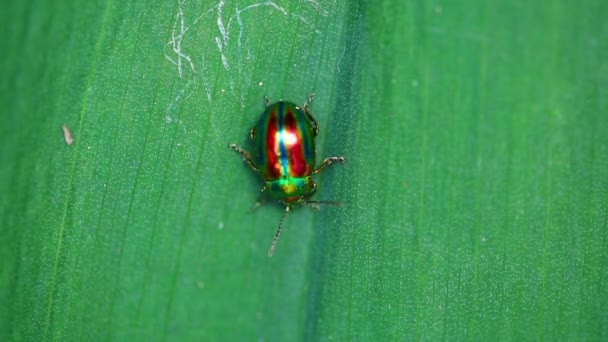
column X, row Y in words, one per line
column 336, row 203
column 275, row 240
column 316, row 205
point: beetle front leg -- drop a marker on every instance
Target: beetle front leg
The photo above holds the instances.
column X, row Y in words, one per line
column 245, row 155
column 257, row 204
column 261, row 200
column 328, row 161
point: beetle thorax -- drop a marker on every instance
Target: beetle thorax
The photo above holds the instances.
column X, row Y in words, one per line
column 291, row 187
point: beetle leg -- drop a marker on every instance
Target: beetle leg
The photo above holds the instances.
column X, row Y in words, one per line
column 257, row 204
column 309, row 100
column 315, row 125
column 328, row 161
column 244, row 154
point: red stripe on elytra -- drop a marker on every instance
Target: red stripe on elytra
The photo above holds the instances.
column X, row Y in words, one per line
column 273, row 166
column 297, row 161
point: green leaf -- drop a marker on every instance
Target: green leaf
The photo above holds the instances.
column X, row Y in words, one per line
column 474, row 197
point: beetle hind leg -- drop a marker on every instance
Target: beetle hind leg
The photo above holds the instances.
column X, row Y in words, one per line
column 245, row 155
column 309, row 100
column 315, row 125
column 328, row 161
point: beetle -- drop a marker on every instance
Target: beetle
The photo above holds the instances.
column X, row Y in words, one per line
column 284, row 141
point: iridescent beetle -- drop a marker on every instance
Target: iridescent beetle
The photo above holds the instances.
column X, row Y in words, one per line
column 284, row 141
